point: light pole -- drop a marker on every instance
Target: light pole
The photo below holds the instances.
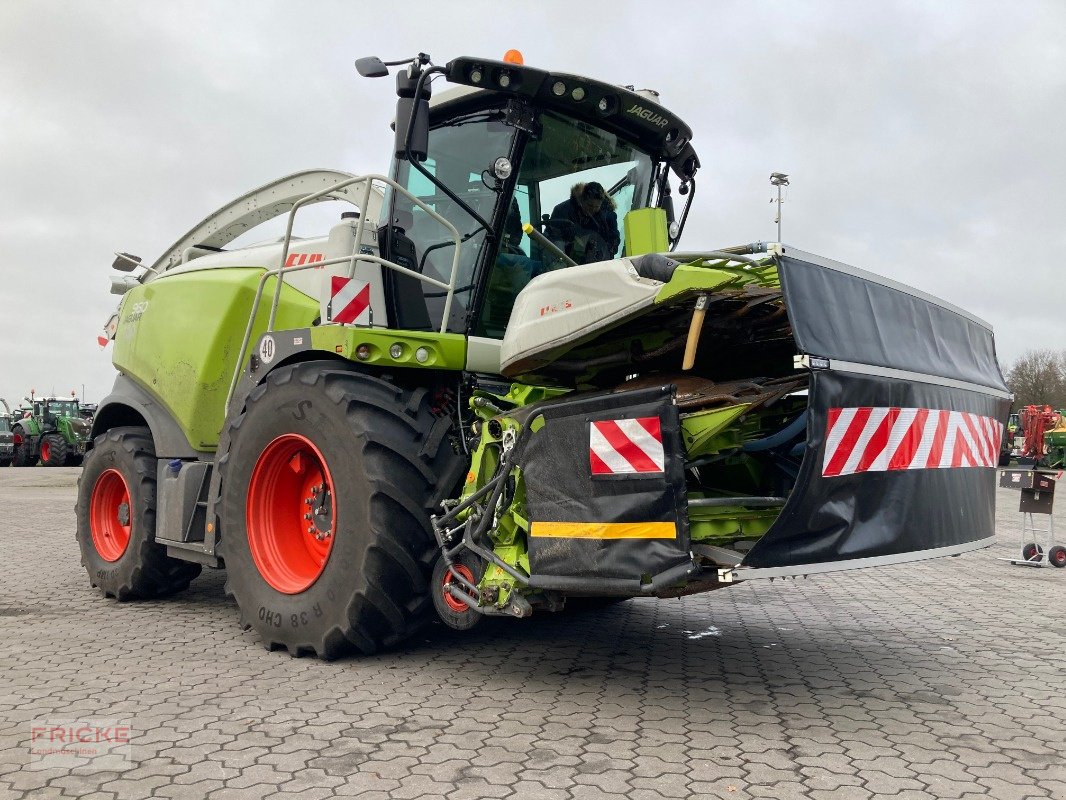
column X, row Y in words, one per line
column 778, row 179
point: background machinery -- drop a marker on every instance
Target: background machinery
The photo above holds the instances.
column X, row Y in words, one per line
column 1044, row 431
column 434, row 411
column 7, row 439
column 49, row 430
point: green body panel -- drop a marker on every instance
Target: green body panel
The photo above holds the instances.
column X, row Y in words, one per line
column 179, row 337
column 444, row 350
column 71, row 436
column 724, row 524
column 707, row 432
column 706, row 276
column 645, row 231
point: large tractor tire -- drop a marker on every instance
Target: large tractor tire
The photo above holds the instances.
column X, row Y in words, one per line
column 116, row 520
column 24, row 454
column 327, row 486
column 53, row 450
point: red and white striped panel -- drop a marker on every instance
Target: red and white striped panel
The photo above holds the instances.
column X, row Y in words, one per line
column 883, row 439
column 626, row 446
column 349, row 301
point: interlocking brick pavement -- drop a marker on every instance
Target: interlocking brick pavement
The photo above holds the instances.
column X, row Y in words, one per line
column 944, row 679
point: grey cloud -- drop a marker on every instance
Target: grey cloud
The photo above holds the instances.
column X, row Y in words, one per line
column 923, row 139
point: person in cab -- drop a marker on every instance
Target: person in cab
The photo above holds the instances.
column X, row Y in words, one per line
column 585, row 226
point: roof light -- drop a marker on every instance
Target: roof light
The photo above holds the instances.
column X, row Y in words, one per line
column 513, row 57
column 504, row 80
column 558, row 88
column 475, row 75
column 578, row 93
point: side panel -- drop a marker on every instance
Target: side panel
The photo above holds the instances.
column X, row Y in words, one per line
column 179, row 337
column 616, row 521
column 905, row 418
column 858, row 498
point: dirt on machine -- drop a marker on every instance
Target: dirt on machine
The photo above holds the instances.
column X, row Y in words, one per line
column 499, row 385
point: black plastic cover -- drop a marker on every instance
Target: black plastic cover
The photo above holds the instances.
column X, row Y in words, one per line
column 848, row 315
column 843, row 313
column 560, row 487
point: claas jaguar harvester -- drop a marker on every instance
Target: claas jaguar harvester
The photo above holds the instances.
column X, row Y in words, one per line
column 469, row 399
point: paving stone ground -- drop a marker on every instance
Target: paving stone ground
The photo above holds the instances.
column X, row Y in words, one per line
column 945, row 679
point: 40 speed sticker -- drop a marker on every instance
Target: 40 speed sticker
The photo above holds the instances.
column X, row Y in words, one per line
column 267, row 349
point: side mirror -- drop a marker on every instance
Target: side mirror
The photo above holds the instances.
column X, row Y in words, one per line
column 407, row 106
column 125, row 262
column 371, row 67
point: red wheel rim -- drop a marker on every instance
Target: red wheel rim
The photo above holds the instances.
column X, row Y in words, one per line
column 46, row 448
column 110, row 516
column 291, row 513
column 454, row 603
column 1060, row 556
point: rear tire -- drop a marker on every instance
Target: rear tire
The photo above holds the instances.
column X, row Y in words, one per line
column 116, row 520
column 53, row 450
column 385, row 461
column 23, row 450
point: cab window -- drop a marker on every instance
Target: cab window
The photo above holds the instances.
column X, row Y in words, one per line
column 565, row 159
column 460, row 153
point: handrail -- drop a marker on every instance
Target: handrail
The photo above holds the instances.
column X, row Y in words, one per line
column 355, row 257
column 360, row 228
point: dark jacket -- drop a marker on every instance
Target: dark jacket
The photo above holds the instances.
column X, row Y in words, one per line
column 583, row 237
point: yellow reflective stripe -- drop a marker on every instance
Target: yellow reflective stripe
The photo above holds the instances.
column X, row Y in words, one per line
column 604, row 530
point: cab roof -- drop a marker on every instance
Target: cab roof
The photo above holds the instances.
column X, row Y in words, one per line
column 614, row 108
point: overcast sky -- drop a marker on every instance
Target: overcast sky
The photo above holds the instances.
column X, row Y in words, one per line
column 924, row 140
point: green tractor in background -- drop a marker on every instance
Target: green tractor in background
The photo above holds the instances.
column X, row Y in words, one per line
column 50, row 430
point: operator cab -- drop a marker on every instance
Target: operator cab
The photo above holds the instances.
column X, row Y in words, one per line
column 505, row 150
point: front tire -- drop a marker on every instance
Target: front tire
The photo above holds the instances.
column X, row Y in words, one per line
column 327, row 486
column 116, row 520
column 53, row 450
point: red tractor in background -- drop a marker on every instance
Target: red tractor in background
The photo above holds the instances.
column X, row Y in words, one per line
column 1044, row 430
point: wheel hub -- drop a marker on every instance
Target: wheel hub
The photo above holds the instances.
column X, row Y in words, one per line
column 320, row 515
column 454, row 603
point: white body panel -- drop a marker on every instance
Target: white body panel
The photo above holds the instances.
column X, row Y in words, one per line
column 313, row 282
column 557, row 310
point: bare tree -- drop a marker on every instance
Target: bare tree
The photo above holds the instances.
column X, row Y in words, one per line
column 1038, row 377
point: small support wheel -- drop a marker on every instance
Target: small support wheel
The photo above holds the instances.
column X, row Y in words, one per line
column 1032, row 552
column 452, row 611
column 1056, row 556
